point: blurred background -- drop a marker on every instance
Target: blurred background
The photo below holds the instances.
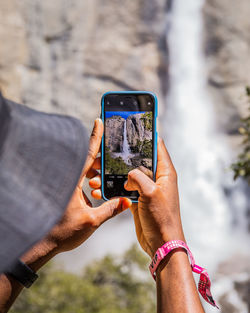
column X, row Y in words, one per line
column 62, row 55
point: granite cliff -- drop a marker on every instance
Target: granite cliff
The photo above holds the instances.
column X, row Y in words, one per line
column 114, row 138
column 227, row 51
column 56, row 55
column 139, row 130
column 61, row 56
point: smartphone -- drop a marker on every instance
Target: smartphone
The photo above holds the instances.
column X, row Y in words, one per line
column 129, row 140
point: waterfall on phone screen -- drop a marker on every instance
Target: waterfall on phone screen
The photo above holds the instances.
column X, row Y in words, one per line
column 126, row 151
column 210, row 200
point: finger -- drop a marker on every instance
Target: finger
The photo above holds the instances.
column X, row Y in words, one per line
column 111, row 208
column 134, row 207
column 94, row 143
column 94, row 146
column 140, row 182
column 165, row 167
column 95, row 182
column 146, row 171
column 92, row 173
column 97, row 163
column 138, row 228
column 96, row 194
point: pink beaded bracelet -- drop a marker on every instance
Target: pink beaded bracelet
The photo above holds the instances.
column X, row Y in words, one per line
column 204, row 282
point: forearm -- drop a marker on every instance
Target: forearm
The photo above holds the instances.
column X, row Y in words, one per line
column 9, row 291
column 35, row 259
column 176, row 289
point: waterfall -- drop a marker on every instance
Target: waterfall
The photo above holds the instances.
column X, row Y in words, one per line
column 126, row 150
column 200, row 155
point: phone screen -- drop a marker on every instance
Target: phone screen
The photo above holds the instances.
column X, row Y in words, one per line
column 129, row 125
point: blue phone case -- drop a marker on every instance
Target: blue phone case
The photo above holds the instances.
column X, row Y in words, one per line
column 155, row 134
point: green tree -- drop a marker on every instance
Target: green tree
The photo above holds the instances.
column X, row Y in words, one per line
column 148, row 120
column 115, row 165
column 242, row 166
column 147, row 148
column 105, row 286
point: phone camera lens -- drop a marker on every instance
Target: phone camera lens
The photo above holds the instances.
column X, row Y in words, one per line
column 121, row 102
column 108, row 103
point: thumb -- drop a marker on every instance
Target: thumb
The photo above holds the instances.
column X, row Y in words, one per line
column 139, row 181
column 94, row 146
column 165, row 167
column 111, row 208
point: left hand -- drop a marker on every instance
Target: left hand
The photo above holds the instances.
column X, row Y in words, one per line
column 81, row 219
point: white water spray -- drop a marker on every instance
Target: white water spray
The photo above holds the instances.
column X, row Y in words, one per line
column 126, row 154
column 200, row 156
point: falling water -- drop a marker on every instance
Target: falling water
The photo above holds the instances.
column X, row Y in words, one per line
column 126, row 151
column 200, row 155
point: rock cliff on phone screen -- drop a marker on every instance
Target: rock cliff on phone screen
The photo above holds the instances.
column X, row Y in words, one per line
column 128, row 141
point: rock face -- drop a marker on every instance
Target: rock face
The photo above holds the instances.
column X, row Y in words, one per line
column 61, row 56
column 146, row 162
column 139, row 129
column 114, row 127
column 227, row 49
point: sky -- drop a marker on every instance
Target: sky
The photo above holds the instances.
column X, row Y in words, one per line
column 123, row 114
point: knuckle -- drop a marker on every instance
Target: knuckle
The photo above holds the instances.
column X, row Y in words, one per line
column 112, row 207
column 91, row 219
column 115, row 207
column 91, row 153
column 133, row 174
column 152, row 191
column 112, row 211
column 94, row 133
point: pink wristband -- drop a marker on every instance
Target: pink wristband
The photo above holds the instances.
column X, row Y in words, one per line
column 204, row 283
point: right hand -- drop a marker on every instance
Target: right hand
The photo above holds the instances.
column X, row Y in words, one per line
column 157, row 213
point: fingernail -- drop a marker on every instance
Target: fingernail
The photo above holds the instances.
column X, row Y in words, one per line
column 126, row 203
column 98, row 120
column 96, row 194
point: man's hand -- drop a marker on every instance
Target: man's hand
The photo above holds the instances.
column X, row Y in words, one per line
column 78, row 223
column 157, row 214
column 157, row 220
